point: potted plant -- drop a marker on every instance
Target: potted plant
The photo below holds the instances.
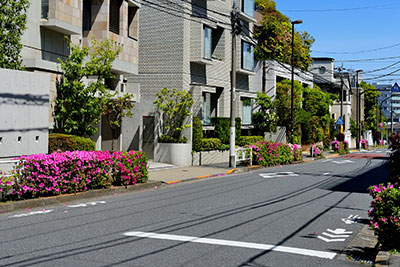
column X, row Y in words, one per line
column 174, row 108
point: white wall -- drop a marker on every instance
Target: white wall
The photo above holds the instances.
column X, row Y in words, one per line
column 24, row 112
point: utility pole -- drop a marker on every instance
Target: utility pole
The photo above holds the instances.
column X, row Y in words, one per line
column 232, row 155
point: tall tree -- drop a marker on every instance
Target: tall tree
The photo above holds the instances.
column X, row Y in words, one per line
column 370, row 105
column 79, row 106
column 12, row 26
column 265, row 118
column 274, row 37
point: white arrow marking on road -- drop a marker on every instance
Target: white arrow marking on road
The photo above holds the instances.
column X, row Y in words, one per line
column 331, row 240
column 31, row 213
column 342, row 162
column 327, row 173
column 334, row 236
column 299, row 251
column 277, row 174
column 94, row 203
column 351, row 219
column 340, row 231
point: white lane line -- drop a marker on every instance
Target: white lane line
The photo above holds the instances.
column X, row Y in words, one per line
column 327, row 173
column 299, row 251
column 277, row 174
column 30, row 213
column 331, row 240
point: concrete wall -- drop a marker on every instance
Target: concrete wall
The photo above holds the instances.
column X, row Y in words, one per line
column 24, row 105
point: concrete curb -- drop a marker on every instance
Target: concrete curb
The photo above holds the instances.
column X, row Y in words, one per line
column 54, row 200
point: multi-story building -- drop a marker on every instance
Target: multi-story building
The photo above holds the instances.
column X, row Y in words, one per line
column 385, row 101
column 187, row 45
column 50, row 23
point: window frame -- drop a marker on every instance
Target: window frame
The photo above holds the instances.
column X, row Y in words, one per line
column 207, row 44
column 244, row 61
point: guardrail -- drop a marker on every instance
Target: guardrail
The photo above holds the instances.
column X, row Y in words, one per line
column 244, row 154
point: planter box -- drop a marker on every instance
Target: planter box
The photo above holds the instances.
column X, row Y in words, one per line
column 210, row 157
column 177, row 154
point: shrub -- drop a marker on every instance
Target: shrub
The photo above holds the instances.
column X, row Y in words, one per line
column 65, row 142
column 169, row 139
column 238, row 129
column 364, row 143
column 222, row 128
column 385, row 215
column 297, row 152
column 225, row 147
column 71, row 172
column 270, row 154
column 317, row 150
column 340, row 137
column 249, row 140
column 197, row 134
column 208, row 144
column 340, row 147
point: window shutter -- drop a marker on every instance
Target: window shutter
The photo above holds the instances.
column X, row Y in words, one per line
column 115, row 6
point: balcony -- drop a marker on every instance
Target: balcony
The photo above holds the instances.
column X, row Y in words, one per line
column 62, row 17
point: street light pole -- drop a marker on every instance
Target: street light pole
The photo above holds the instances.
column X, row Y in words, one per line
column 292, row 87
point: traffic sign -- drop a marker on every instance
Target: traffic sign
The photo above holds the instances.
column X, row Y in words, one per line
column 339, row 121
column 396, row 88
column 381, row 124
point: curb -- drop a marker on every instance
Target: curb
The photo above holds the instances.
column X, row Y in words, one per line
column 54, row 200
column 202, row 177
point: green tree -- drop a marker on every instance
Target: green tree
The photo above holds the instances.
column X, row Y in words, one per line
column 174, row 107
column 370, row 105
column 12, row 26
column 114, row 109
column 265, row 119
column 79, row 106
column 274, row 37
column 282, row 103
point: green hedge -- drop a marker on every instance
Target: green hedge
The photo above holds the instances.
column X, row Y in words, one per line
column 65, row 142
column 197, row 134
column 222, row 128
column 208, row 144
column 249, row 140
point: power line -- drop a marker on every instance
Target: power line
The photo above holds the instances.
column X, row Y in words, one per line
column 367, row 59
column 359, row 52
column 337, row 9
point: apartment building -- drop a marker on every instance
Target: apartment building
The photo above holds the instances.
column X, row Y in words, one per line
column 51, row 22
column 187, row 45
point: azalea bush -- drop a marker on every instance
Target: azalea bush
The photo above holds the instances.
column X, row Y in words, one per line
column 381, row 144
column 364, row 144
column 297, row 152
column 71, row 172
column 317, row 150
column 270, row 154
column 340, row 147
column 385, row 215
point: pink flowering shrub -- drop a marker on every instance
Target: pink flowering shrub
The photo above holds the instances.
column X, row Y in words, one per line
column 340, row 147
column 270, row 154
column 72, row 172
column 364, row 143
column 385, row 215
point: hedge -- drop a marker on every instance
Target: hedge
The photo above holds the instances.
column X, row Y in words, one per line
column 208, row 144
column 197, row 134
column 249, row 140
column 65, row 142
column 222, row 127
column 270, row 154
column 71, row 172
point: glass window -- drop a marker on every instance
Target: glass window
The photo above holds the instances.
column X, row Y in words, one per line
column 246, row 111
column 206, row 108
column 248, row 7
column 207, row 42
column 87, row 16
column 247, row 56
column 45, row 9
column 133, row 22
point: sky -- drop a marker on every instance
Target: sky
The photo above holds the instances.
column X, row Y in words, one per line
column 349, row 30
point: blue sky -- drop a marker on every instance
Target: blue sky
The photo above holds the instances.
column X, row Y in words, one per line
column 346, row 30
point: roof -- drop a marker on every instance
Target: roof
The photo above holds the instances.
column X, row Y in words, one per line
column 323, row 59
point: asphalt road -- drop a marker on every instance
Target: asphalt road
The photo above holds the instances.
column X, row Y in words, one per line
column 297, row 215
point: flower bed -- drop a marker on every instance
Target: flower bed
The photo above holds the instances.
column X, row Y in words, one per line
column 340, row 147
column 270, row 154
column 385, row 215
column 71, row 172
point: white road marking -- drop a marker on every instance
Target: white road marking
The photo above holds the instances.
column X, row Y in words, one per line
column 277, row 174
column 94, row 203
column 327, row 173
column 327, row 160
column 299, row 251
column 334, row 236
column 351, row 219
column 30, row 213
column 331, row 240
column 342, row 162
column 340, row 231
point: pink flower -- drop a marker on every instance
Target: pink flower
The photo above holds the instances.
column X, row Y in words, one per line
column 376, row 225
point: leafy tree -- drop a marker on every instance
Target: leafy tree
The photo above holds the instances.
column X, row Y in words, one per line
column 370, row 105
column 275, row 37
column 12, row 26
column 79, row 106
column 282, row 103
column 265, row 119
column 114, row 109
column 174, row 106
